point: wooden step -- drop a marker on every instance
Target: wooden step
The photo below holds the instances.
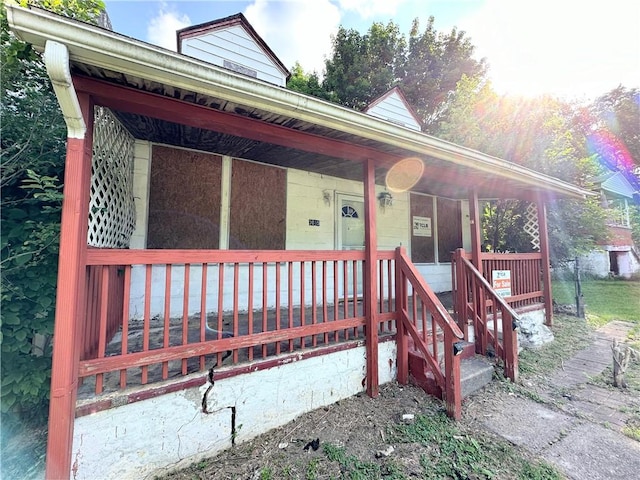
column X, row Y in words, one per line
column 475, row 372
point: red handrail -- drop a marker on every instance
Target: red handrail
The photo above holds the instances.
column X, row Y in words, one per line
column 476, row 300
column 426, row 305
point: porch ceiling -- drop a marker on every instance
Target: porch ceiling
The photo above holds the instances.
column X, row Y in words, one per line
column 441, row 178
column 166, row 97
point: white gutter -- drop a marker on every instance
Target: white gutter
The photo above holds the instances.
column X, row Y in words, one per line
column 56, row 59
column 106, row 49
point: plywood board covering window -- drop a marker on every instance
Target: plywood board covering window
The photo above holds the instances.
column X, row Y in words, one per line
column 258, row 207
column 449, row 228
column 422, row 246
column 184, row 199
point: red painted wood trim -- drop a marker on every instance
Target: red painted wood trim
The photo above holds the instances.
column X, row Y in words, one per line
column 70, row 298
column 150, row 357
column 185, row 312
column 452, row 389
column 546, row 262
column 401, row 334
column 511, row 256
column 196, row 380
column 476, row 234
column 130, row 100
column 125, row 323
column 167, row 317
column 370, row 286
column 108, row 256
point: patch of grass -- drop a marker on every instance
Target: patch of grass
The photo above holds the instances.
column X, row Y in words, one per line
column 571, row 334
column 632, row 429
column 266, row 473
column 605, row 300
column 354, row 468
column 452, row 453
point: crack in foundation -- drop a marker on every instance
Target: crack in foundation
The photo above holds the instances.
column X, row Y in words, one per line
column 205, row 409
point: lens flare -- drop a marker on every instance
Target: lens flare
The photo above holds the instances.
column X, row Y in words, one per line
column 404, row 174
column 610, row 150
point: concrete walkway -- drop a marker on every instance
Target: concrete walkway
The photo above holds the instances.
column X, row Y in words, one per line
column 578, row 426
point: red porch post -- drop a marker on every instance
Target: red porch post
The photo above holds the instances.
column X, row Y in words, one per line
column 370, row 286
column 546, row 261
column 70, row 298
column 476, row 235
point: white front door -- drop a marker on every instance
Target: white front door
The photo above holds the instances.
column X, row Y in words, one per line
column 350, row 233
column 350, row 222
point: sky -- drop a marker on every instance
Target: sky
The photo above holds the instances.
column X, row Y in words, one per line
column 573, row 49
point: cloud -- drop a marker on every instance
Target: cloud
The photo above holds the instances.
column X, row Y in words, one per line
column 370, row 8
column 297, row 30
column 162, row 28
column 561, row 47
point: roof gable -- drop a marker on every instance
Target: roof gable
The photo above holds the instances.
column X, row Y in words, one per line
column 232, row 43
column 393, row 106
column 618, row 185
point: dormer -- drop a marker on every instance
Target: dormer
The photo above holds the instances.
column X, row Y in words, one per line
column 393, row 106
column 232, row 43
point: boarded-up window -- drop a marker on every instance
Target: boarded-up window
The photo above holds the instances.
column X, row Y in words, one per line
column 422, row 249
column 258, row 206
column 449, row 228
column 184, row 199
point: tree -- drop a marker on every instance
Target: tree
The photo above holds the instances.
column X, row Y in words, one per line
column 541, row 134
column 363, row 67
column 618, row 111
column 31, row 166
column 308, row 83
column 435, row 63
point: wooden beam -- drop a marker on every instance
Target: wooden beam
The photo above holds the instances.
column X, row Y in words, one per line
column 476, row 233
column 370, row 285
column 126, row 99
column 546, row 261
column 70, row 298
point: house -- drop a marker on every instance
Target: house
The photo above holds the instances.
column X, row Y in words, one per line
column 234, row 254
column 618, row 256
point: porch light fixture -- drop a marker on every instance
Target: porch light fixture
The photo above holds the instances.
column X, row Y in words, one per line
column 385, row 198
column 326, row 197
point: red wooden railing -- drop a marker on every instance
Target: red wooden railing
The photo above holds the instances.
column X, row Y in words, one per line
column 493, row 319
column 423, row 318
column 105, row 286
column 526, row 275
column 155, row 314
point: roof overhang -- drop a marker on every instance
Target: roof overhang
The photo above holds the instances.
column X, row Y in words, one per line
column 126, row 63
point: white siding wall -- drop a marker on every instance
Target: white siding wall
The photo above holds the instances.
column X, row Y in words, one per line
column 236, row 45
column 392, row 108
column 306, row 200
column 141, row 171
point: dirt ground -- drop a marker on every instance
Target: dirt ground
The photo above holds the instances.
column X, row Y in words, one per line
column 357, row 438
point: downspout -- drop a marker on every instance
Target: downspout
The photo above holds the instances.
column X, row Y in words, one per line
column 56, row 59
column 70, row 292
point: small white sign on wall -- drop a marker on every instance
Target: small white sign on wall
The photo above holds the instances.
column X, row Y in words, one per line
column 501, row 280
column 421, row 226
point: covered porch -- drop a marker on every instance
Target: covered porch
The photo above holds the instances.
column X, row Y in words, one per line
column 224, row 307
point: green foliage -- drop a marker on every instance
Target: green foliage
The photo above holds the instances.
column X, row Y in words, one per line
column 354, row 468
column 362, row 67
column 503, row 226
column 31, row 166
column 453, row 453
column 307, row 83
column 435, row 63
column 618, row 111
